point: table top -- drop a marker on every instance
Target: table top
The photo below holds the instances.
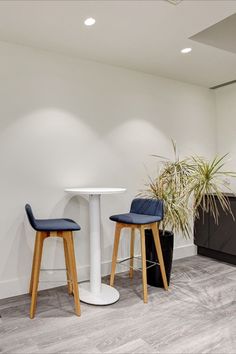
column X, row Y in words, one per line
column 94, row 190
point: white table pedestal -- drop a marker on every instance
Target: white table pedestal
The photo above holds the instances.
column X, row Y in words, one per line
column 94, row 292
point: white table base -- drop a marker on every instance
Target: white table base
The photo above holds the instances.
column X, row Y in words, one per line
column 94, row 292
column 107, row 295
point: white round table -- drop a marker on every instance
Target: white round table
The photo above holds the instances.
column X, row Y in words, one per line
column 94, row 292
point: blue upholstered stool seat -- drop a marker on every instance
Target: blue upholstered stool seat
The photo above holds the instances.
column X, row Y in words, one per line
column 56, row 225
column 142, row 211
column 133, row 218
column 51, row 224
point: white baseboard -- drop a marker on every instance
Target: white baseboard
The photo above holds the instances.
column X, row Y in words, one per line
column 48, row 279
column 185, row 251
column 51, row 279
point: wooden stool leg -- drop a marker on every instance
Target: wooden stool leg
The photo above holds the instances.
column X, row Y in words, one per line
column 115, row 253
column 68, row 270
column 155, row 232
column 33, row 266
column 144, row 270
column 40, row 236
column 71, row 258
column 131, row 271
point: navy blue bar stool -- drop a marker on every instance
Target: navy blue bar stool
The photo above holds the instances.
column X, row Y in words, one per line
column 53, row 228
column 144, row 214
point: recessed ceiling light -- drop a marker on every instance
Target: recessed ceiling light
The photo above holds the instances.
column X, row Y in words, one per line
column 89, row 21
column 186, row 50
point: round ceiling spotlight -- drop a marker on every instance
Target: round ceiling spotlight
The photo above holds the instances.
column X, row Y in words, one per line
column 186, row 50
column 89, row 21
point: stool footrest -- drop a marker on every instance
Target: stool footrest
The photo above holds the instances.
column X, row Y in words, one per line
column 52, row 270
column 56, row 281
column 152, row 264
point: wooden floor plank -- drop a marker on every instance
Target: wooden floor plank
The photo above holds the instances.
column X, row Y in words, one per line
column 197, row 315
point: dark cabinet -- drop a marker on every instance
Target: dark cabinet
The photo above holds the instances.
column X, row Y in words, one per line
column 217, row 240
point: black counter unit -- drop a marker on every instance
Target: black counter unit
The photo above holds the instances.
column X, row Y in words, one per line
column 217, row 240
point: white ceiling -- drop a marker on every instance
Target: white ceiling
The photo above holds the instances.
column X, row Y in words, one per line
column 141, row 35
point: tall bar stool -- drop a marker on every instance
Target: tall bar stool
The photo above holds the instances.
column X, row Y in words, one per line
column 53, row 228
column 144, row 214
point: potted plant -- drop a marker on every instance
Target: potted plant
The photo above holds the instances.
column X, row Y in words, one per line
column 185, row 185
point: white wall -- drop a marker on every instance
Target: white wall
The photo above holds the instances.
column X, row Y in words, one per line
column 226, row 125
column 66, row 122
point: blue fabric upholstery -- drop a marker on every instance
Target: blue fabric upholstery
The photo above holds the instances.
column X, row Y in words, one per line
column 142, row 211
column 147, row 207
column 132, row 218
column 50, row 224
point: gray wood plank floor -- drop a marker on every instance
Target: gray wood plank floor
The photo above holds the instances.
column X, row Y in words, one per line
column 197, row 315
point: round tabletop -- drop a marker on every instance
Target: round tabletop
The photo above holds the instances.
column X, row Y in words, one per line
column 94, row 190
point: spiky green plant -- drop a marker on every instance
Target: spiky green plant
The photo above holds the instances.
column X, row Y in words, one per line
column 207, row 184
column 187, row 185
column 176, row 208
column 171, row 185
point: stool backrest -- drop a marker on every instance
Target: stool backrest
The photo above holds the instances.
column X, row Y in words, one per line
column 147, row 207
column 30, row 215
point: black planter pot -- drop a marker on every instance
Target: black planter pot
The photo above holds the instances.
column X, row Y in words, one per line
column 154, row 277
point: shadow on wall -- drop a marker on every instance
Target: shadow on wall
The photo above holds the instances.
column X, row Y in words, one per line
column 101, row 96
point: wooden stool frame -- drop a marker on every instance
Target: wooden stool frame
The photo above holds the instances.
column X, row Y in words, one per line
column 70, row 263
column 155, row 231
